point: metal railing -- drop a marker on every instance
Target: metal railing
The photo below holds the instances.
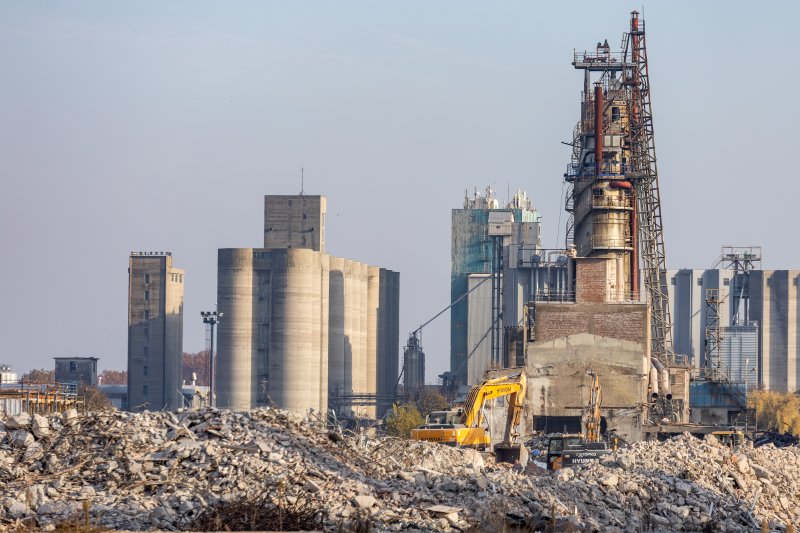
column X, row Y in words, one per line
column 562, row 296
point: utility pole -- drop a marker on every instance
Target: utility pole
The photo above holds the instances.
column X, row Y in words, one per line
column 211, row 318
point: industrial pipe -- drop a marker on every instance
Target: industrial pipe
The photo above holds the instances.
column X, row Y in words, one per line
column 653, row 383
column 663, row 378
column 598, row 128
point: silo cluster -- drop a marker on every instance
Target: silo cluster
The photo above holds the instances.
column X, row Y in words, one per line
column 305, row 330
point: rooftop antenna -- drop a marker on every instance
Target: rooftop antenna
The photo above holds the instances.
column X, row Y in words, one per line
column 302, row 179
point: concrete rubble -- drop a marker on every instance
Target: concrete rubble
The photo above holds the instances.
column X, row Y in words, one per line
column 161, row 470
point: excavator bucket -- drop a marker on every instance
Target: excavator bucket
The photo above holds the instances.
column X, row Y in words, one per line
column 511, row 453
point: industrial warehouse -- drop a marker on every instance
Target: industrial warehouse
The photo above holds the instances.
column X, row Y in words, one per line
column 589, row 386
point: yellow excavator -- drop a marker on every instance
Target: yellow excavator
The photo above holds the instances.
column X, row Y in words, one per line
column 574, row 449
column 464, row 426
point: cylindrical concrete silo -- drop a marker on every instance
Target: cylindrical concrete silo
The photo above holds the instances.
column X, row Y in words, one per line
column 350, row 326
column 388, row 339
column 363, row 321
column 336, row 316
column 234, row 332
column 296, row 349
column 373, row 296
column 324, row 329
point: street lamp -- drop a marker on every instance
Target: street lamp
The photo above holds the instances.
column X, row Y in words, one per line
column 211, row 318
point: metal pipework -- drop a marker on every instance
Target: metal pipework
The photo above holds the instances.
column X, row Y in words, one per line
column 663, row 378
column 598, row 128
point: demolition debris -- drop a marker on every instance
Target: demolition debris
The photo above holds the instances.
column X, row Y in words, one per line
column 193, row 470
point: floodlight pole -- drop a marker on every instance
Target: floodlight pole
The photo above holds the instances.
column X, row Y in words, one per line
column 211, row 318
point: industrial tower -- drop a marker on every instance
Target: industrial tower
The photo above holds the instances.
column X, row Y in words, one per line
column 613, row 196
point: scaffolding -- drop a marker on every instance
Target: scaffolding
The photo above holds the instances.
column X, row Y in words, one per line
column 39, row 398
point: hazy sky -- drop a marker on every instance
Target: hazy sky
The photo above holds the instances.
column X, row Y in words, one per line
column 161, row 125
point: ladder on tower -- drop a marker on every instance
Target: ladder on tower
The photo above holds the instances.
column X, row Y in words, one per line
column 643, row 174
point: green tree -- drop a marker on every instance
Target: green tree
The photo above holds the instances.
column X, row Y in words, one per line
column 402, row 420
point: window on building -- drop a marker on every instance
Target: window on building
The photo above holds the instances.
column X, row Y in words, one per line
column 146, row 314
column 290, row 203
column 614, row 114
column 73, row 366
column 146, row 332
column 144, row 370
column 146, row 296
column 304, row 216
column 147, row 278
column 144, row 390
column 145, row 351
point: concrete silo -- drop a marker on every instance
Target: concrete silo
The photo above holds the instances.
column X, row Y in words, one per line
column 298, row 354
column 235, row 381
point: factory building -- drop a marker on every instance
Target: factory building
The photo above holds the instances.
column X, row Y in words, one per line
column 76, row 370
column 155, row 331
column 303, row 329
column 759, row 319
column 473, row 253
column 593, row 333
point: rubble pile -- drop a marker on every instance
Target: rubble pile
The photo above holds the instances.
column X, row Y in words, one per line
column 174, row 471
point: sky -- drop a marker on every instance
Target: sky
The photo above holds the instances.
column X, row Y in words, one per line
column 160, row 126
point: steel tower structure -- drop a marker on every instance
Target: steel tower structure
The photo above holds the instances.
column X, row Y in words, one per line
column 643, row 173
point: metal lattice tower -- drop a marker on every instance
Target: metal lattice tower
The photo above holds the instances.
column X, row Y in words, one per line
column 643, row 174
column 713, row 368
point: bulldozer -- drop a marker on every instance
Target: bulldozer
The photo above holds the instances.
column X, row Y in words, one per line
column 464, row 426
column 580, row 448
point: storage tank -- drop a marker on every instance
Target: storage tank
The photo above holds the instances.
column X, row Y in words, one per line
column 371, row 368
column 234, row 332
column 363, row 321
column 388, row 339
column 337, row 381
column 299, row 344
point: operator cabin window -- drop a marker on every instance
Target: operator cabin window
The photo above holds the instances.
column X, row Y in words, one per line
column 73, row 366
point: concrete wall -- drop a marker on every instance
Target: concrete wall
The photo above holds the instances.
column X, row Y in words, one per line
column 611, row 339
column 155, row 331
column 294, row 221
column 558, row 380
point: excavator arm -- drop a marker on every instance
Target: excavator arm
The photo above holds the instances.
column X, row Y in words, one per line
column 488, row 390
